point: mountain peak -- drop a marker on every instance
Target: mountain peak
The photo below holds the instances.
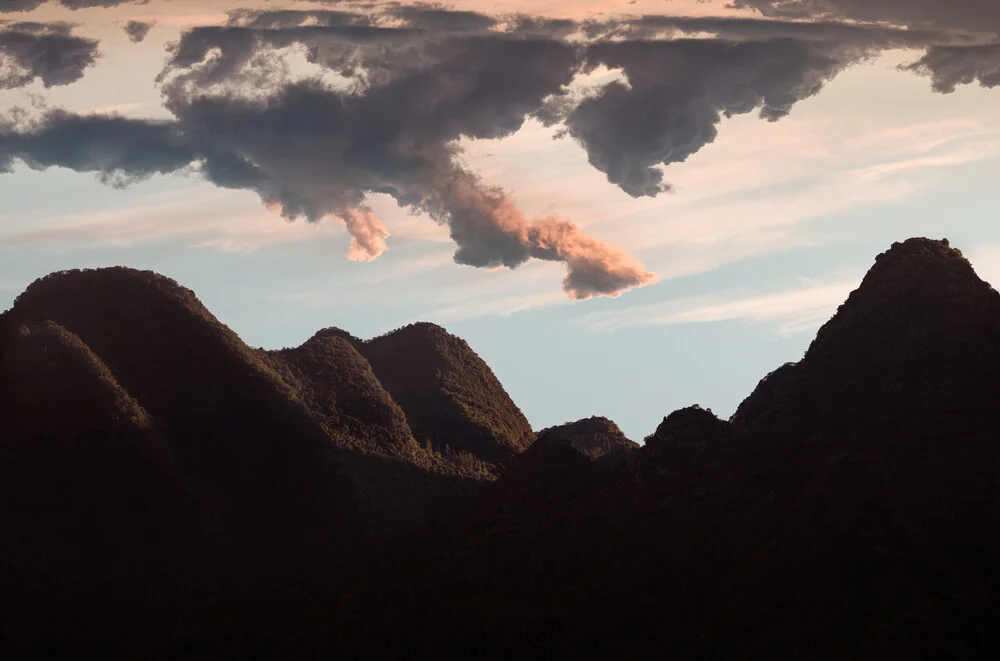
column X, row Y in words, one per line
column 921, row 326
column 921, row 246
column 693, row 426
column 417, row 331
column 594, row 437
column 332, row 331
column 111, row 278
column 919, row 291
column 451, row 397
column 337, row 385
column 919, row 263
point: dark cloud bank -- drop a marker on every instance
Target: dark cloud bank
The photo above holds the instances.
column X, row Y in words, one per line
column 11, row 6
column 137, row 30
column 46, row 52
column 414, row 80
column 948, row 64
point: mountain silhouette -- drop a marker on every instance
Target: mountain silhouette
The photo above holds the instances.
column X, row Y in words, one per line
column 230, row 420
column 921, row 330
column 169, row 492
column 595, row 437
column 336, row 383
column 94, row 477
column 847, row 511
column 452, row 399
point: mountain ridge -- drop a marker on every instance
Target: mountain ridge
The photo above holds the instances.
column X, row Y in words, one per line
column 595, row 437
column 450, row 395
column 397, row 504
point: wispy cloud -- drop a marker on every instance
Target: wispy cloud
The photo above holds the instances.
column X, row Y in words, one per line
column 892, row 171
column 503, row 306
column 409, row 267
column 118, row 108
column 793, row 311
column 429, row 285
column 222, row 224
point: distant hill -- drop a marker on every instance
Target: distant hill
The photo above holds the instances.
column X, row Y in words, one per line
column 595, row 437
column 167, row 492
column 337, row 385
column 451, row 397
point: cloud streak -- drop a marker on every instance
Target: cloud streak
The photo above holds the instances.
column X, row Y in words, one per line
column 795, row 310
column 737, row 28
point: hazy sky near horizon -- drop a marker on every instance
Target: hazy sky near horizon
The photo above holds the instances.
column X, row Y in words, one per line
column 625, row 208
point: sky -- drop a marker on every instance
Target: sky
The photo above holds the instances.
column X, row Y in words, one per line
column 624, row 207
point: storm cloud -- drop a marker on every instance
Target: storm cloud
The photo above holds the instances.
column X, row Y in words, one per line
column 10, row 6
column 137, row 30
column 120, row 150
column 314, row 151
column 85, row 4
column 950, row 66
column 433, row 18
column 948, row 61
column 46, row 52
column 678, row 92
column 238, row 55
column 414, row 80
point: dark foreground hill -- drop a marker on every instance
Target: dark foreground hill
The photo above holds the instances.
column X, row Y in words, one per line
column 153, row 464
column 850, row 509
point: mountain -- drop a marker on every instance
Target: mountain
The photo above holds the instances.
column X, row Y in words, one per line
column 451, row 398
column 387, row 499
column 922, row 331
column 96, row 511
column 336, row 383
column 90, row 478
column 229, row 418
column 402, row 485
column 886, row 427
column 908, row 371
column 253, row 471
column 692, row 428
column 846, row 511
column 595, row 437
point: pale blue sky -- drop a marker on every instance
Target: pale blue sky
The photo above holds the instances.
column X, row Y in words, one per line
column 769, row 228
